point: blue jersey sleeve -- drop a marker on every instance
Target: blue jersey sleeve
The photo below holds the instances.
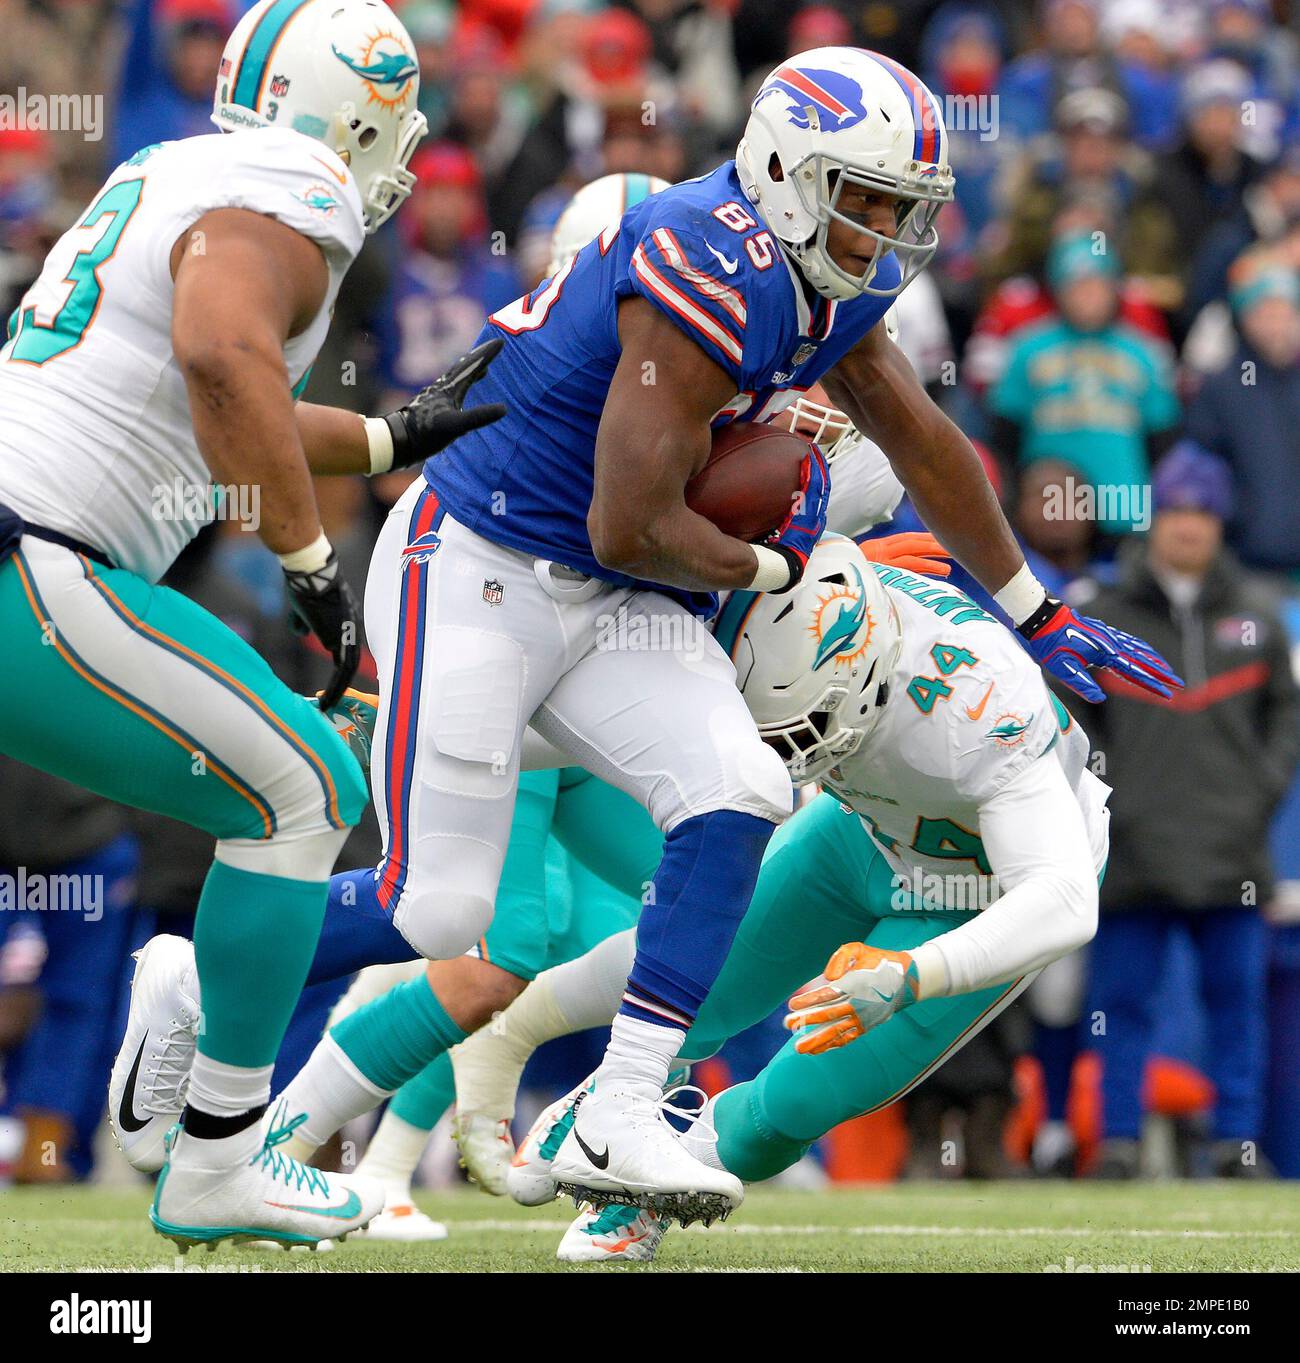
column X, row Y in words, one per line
column 690, row 283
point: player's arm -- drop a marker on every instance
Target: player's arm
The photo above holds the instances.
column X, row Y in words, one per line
column 876, row 385
column 336, row 441
column 244, row 283
column 1037, row 845
column 878, row 389
column 653, row 436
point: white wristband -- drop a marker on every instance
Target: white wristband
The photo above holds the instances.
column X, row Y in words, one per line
column 380, row 440
column 773, row 573
column 310, row 559
column 1022, row 596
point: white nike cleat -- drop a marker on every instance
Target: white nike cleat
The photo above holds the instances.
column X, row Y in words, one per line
column 242, row 1188
column 405, row 1223
column 614, row 1234
column 528, row 1180
column 486, row 1149
column 151, row 1075
column 620, row 1148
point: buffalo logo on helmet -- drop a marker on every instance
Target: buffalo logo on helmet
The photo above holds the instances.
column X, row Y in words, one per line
column 819, row 101
column 842, row 625
column 386, row 67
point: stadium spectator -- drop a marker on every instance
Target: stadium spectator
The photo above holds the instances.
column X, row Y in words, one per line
column 1209, row 171
column 173, row 50
column 1074, row 58
column 1268, row 211
column 1093, row 173
column 1249, row 412
column 1195, row 784
column 448, row 277
column 1087, row 387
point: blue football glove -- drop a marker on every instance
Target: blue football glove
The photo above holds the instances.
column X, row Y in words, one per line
column 795, row 537
column 1067, row 645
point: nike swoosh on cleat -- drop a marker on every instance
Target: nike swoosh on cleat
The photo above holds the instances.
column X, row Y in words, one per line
column 344, row 1211
column 126, row 1117
column 598, row 1161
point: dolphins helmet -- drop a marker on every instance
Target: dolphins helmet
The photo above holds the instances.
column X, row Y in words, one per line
column 341, row 71
column 814, row 664
column 595, row 207
column 838, row 116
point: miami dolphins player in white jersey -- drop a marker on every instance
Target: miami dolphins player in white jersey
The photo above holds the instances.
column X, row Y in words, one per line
column 955, row 850
column 163, row 346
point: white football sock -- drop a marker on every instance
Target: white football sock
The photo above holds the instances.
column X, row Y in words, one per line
column 330, row 1090
column 639, row 1054
column 588, row 991
column 392, row 1157
column 227, row 1090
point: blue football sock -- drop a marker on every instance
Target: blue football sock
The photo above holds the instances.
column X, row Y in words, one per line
column 701, row 891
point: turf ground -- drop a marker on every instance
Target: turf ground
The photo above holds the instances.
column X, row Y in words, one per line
column 1025, row 1227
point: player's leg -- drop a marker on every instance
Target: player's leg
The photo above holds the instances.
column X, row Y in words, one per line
column 396, row 1148
column 600, row 835
column 768, row 1124
column 372, row 1052
column 818, row 881
column 653, row 708
column 135, row 692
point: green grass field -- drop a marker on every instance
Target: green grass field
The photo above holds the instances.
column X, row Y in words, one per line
column 1024, row 1227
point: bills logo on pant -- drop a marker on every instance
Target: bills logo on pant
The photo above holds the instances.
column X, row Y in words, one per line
column 493, row 591
column 421, row 550
column 821, row 101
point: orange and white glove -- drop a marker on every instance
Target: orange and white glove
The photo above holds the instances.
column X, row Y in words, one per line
column 915, row 551
column 868, row 985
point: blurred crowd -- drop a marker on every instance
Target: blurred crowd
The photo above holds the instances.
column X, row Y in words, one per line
column 1114, row 318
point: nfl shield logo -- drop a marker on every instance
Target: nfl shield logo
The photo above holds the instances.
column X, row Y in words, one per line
column 279, row 86
column 493, row 591
column 805, row 352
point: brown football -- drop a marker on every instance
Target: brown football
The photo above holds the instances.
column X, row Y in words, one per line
column 748, row 486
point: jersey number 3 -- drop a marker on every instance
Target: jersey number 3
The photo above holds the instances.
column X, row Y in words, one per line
column 36, row 342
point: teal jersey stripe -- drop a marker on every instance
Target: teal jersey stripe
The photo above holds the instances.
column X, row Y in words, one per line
column 638, row 189
column 252, row 65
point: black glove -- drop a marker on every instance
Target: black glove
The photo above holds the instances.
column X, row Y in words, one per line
column 321, row 603
column 434, row 417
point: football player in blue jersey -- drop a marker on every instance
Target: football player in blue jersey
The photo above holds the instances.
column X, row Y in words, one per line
column 518, row 583
column 546, row 573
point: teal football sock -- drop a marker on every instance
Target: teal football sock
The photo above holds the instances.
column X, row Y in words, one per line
column 421, row 1101
column 254, row 938
column 392, row 1038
